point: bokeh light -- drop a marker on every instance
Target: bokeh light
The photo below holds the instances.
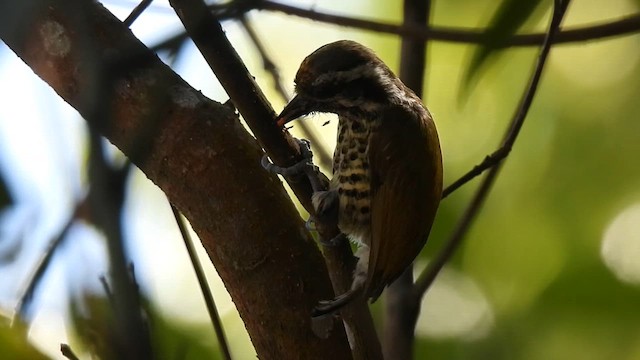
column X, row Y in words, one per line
column 621, row 245
column 455, row 307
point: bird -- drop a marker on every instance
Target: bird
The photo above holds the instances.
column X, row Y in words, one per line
column 387, row 165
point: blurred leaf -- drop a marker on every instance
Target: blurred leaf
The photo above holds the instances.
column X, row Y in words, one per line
column 14, row 343
column 509, row 17
column 172, row 340
column 93, row 322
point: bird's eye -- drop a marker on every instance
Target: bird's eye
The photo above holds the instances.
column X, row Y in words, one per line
column 352, row 92
column 325, row 90
column 365, row 89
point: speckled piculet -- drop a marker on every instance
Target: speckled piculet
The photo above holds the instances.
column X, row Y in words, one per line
column 387, row 166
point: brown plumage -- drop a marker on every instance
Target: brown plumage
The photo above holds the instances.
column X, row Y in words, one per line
column 387, row 168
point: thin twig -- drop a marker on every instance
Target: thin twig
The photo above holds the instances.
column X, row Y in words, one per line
column 43, row 264
column 204, row 285
column 488, row 162
column 270, row 67
column 623, row 26
column 67, row 352
column 427, row 277
column 137, row 11
column 212, row 309
column 107, row 289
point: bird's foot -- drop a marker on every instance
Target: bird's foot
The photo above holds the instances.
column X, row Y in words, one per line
column 310, row 224
column 334, row 241
column 295, row 169
column 326, row 307
column 326, row 205
column 325, row 219
column 305, row 166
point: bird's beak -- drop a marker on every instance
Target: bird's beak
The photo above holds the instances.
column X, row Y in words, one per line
column 297, row 107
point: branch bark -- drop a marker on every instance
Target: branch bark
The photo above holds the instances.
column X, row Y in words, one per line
column 198, row 153
column 210, row 39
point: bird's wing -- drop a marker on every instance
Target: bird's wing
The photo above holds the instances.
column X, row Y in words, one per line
column 406, row 185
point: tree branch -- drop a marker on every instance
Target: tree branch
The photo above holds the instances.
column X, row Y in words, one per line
column 427, row 277
column 66, row 351
column 209, row 302
column 210, row 39
column 624, row 26
column 34, row 281
column 321, row 154
column 136, row 12
column 131, row 336
column 198, row 153
column 401, row 312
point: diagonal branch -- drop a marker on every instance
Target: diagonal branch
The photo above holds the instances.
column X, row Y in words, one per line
column 206, row 32
column 80, row 210
column 67, row 352
column 43, row 264
column 197, row 152
column 488, row 162
column 136, row 12
column 427, row 277
column 271, row 68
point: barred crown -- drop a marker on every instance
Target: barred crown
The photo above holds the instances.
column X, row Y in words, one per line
column 345, row 75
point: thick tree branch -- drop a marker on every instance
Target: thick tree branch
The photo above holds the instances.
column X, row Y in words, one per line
column 623, row 26
column 427, row 277
column 197, row 152
column 210, row 39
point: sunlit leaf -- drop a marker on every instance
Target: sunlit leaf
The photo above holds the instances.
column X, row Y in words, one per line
column 14, row 343
column 170, row 340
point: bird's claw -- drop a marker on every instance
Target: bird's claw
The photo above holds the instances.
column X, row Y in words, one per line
column 310, row 224
column 334, row 241
column 305, row 148
column 325, row 307
column 295, row 169
column 304, row 166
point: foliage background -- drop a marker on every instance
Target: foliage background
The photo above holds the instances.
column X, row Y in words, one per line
column 548, row 271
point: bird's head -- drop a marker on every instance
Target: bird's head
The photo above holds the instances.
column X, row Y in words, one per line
column 339, row 77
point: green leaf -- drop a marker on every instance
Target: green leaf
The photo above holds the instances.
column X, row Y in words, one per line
column 14, row 343
column 509, row 17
